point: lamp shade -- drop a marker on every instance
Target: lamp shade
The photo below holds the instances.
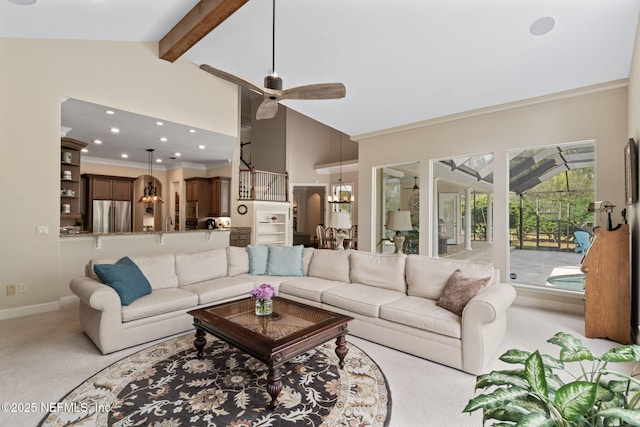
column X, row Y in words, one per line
column 340, row 220
column 399, row 221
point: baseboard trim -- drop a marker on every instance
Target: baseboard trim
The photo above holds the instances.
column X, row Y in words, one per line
column 566, row 302
column 11, row 313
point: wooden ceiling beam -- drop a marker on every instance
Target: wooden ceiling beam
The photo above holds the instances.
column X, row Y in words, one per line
column 200, row 21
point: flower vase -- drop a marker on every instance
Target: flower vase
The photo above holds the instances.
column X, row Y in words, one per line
column 264, row 307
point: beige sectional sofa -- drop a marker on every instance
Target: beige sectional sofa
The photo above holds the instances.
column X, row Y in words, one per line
column 393, row 299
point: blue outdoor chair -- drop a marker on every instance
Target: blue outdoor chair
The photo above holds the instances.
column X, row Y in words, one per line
column 582, row 241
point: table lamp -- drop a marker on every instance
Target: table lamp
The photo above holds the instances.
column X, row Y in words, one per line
column 399, row 221
column 340, row 221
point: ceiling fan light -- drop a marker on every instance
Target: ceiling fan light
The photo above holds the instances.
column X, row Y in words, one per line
column 272, row 81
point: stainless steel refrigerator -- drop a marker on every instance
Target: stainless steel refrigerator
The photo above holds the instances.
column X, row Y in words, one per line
column 111, row 216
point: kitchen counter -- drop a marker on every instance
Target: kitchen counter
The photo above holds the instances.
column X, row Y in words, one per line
column 146, row 233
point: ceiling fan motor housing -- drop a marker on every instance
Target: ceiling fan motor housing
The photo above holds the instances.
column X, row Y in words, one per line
column 273, row 82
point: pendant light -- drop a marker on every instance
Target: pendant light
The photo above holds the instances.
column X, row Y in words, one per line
column 150, row 191
column 336, row 198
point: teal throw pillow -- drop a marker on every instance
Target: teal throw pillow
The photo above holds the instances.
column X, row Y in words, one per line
column 285, row 260
column 126, row 278
column 258, row 256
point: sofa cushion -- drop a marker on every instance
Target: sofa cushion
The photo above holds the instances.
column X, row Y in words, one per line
column 160, row 270
column 125, row 278
column 426, row 277
column 459, row 290
column 199, row 266
column 309, row 288
column 381, row 271
column 258, row 259
column 422, row 313
column 307, row 255
column 238, row 259
column 223, row 288
column 361, row 299
column 285, row 260
column 159, row 302
column 331, row 265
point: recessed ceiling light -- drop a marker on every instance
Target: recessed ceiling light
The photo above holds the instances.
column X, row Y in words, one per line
column 110, row 112
column 23, row 2
column 542, row 26
column 159, row 123
column 124, row 156
column 84, row 150
column 202, row 147
column 115, row 130
column 177, row 154
column 163, row 139
column 192, row 131
column 158, row 160
column 97, row 141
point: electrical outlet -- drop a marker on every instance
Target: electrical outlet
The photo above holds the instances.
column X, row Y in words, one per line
column 22, row 288
column 11, row 290
column 42, row 230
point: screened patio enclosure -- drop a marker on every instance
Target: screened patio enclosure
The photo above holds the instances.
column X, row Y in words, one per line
column 550, row 191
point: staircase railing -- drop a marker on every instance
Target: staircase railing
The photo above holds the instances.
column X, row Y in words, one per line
column 262, row 185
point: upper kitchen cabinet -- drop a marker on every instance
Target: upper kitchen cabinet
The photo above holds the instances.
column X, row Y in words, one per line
column 70, row 187
column 220, row 196
column 104, row 187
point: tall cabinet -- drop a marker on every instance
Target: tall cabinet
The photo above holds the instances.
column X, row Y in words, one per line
column 607, row 287
column 71, row 191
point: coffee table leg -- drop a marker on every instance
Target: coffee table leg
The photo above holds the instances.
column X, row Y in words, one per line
column 341, row 349
column 274, row 386
column 200, row 342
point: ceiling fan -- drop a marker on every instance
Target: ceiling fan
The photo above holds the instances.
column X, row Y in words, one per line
column 272, row 90
column 415, row 185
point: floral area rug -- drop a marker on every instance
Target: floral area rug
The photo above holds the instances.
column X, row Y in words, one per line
column 167, row 386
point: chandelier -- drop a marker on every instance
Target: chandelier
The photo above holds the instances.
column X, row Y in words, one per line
column 340, row 195
column 150, row 191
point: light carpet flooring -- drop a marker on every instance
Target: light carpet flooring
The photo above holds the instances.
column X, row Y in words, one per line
column 44, row 356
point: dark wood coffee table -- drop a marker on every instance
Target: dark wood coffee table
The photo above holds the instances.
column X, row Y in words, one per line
column 293, row 328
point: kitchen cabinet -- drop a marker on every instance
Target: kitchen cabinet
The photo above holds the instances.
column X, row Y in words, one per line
column 220, row 197
column 104, row 187
column 240, row 237
column 71, row 206
column 198, row 191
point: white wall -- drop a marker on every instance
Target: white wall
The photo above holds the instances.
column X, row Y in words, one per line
column 598, row 113
column 35, row 73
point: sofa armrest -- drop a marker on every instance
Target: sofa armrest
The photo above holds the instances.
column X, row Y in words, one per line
column 95, row 294
column 489, row 304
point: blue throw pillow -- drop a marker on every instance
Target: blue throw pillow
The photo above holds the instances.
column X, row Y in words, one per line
column 258, row 256
column 285, row 260
column 126, row 278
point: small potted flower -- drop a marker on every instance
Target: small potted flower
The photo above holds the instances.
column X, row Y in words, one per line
column 263, row 295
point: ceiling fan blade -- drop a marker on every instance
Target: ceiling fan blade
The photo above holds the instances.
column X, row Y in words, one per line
column 267, row 110
column 233, row 79
column 316, row 91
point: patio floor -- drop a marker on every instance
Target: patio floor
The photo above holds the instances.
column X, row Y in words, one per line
column 531, row 267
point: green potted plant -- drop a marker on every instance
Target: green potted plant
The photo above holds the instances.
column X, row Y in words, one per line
column 543, row 391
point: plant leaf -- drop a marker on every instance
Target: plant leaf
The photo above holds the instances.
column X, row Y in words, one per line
column 497, row 398
column 630, row 416
column 503, row 414
column 566, row 342
column 535, row 419
column 576, row 399
column 500, row 378
column 577, row 356
column 514, row 356
column 625, row 353
column 534, row 373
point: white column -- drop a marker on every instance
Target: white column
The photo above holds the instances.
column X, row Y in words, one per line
column 434, row 222
column 490, row 218
column 467, row 220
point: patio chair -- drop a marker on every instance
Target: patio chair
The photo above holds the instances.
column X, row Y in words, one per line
column 582, row 241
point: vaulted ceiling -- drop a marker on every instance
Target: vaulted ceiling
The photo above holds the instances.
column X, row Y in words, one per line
column 402, row 61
